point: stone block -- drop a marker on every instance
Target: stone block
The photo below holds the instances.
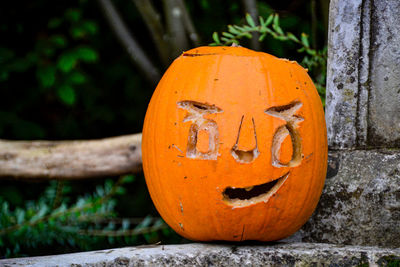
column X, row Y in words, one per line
column 360, row 203
column 363, row 85
column 384, row 85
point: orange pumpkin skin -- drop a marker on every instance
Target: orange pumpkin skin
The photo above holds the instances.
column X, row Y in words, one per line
column 234, row 145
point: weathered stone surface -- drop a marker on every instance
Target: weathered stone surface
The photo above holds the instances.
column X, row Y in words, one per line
column 345, row 57
column 384, row 99
column 363, row 85
column 360, row 204
column 299, row 254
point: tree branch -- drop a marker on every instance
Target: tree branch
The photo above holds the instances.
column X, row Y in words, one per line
column 250, row 6
column 152, row 19
column 71, row 159
column 176, row 31
column 189, row 26
column 314, row 23
column 135, row 52
column 324, row 8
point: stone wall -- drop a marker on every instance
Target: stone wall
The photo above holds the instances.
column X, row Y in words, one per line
column 361, row 199
column 363, row 85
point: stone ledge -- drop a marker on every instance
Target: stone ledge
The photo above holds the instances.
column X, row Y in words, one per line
column 201, row 254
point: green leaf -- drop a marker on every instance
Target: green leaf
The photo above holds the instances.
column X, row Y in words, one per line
column 46, row 76
column 241, row 29
column 262, row 37
column 144, row 223
column 311, row 52
column 73, row 15
column 20, row 214
column 66, row 62
column 227, row 34
column 49, row 51
column 100, row 191
column 120, row 191
column 268, row 30
column 273, row 34
column 90, row 27
column 128, row 179
column 248, row 35
column 78, row 32
column 304, row 39
column 231, row 29
column 224, row 39
column 269, row 20
column 71, row 241
column 204, row 4
column 77, row 77
column 261, row 20
column 125, row 224
column 86, row 54
column 300, row 50
column 292, row 37
column 277, row 29
column 281, row 38
column 58, row 40
column 247, row 28
column 166, row 231
column 276, row 20
column 67, row 94
column 40, row 213
column 250, row 20
column 216, row 38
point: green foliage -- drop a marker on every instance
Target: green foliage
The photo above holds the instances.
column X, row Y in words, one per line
column 66, row 94
column 313, row 60
column 56, row 56
column 65, row 76
column 56, row 218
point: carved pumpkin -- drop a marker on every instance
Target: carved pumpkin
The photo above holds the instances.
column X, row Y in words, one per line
column 234, row 145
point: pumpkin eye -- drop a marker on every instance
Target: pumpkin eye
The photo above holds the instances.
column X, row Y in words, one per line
column 280, row 141
column 282, row 146
column 203, row 135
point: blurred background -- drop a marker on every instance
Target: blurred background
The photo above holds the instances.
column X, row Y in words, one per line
column 82, row 69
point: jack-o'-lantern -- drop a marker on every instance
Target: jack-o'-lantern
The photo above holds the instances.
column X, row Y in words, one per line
column 234, row 145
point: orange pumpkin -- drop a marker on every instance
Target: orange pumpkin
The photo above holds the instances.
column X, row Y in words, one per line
column 234, row 145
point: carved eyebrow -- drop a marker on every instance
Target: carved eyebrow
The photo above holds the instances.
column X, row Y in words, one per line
column 284, row 111
column 198, row 107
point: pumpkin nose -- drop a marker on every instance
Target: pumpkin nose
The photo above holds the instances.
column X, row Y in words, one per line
column 245, row 150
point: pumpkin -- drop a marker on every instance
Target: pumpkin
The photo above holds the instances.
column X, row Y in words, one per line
column 234, row 145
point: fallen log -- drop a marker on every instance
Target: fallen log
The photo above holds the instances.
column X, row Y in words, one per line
column 79, row 159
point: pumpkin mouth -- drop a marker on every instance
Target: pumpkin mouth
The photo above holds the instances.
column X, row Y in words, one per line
column 246, row 196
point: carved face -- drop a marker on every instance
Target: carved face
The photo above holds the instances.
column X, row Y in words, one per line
column 234, row 145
